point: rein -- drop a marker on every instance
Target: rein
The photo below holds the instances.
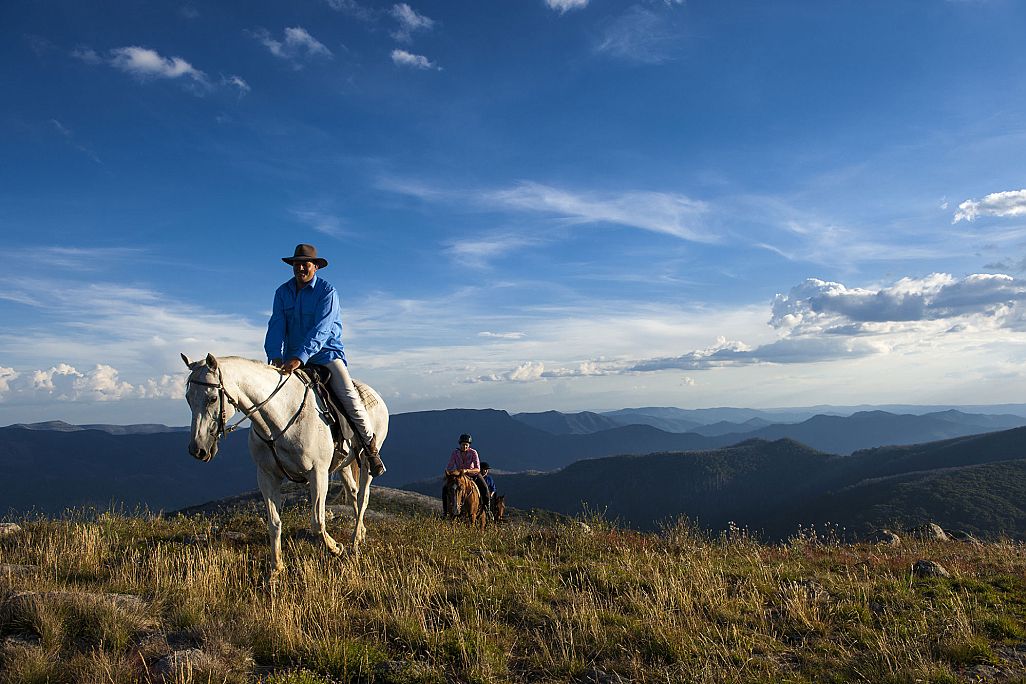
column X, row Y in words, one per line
column 221, row 429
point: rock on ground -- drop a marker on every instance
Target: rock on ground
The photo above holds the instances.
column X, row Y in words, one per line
column 928, row 568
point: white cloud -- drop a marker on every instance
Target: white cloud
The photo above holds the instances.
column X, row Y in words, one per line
column 478, row 250
column 639, row 35
column 564, row 6
column 144, row 63
column 409, row 22
column 70, row 137
column 236, row 82
column 87, row 55
column 404, row 58
column 502, row 335
column 820, row 321
column 352, row 8
column 138, row 330
column 7, row 375
column 78, row 259
column 64, row 383
column 822, row 306
column 659, row 212
column 322, row 222
column 1002, row 204
column 297, row 45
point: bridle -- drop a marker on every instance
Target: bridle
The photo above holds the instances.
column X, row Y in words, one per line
column 221, row 429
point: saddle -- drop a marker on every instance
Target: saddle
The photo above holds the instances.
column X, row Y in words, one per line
column 319, row 379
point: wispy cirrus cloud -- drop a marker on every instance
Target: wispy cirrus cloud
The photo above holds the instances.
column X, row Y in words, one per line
column 479, row 250
column 1000, row 204
column 408, row 59
column 564, row 6
column 502, row 335
column 296, row 46
column 640, row 34
column 659, row 212
column 236, row 82
column 70, row 137
column 73, row 259
column 321, row 221
column 353, row 9
column 666, row 213
column 85, row 322
column 410, row 21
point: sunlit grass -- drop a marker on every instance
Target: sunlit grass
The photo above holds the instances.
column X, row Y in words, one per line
column 429, row 602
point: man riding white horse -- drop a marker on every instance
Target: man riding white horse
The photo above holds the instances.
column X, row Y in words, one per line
column 306, row 328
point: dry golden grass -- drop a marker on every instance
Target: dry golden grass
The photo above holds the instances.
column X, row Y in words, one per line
column 427, row 602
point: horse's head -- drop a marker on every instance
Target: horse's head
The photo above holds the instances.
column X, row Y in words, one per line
column 211, row 408
column 455, row 490
column 499, row 507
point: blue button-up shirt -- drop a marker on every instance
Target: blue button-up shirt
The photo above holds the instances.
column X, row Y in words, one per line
column 305, row 324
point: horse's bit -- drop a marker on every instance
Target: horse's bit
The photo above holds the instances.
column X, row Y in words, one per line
column 221, row 429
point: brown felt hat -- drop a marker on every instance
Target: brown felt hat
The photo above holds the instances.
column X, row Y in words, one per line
column 305, row 252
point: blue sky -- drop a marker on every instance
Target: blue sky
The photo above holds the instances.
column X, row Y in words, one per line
column 532, row 205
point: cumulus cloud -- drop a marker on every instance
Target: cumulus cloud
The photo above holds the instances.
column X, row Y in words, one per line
column 63, row 382
column 144, row 63
column 818, row 305
column 820, row 321
column 409, row 22
column 564, row 6
column 7, row 375
column 659, row 212
column 297, row 45
column 404, row 58
column 534, row 371
column 1001, row 204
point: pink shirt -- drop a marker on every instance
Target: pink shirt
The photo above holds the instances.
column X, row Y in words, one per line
column 464, row 461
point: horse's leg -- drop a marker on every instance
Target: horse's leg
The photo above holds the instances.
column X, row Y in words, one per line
column 270, row 487
column 362, row 499
column 318, row 495
column 349, row 475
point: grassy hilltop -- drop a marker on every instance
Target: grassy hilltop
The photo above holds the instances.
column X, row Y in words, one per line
column 186, row 599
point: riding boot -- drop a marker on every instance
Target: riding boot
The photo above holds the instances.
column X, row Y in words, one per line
column 345, row 389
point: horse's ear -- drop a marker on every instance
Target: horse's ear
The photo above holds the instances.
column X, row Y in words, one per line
column 211, row 361
column 187, row 361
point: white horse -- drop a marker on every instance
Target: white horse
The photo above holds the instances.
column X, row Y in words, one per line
column 290, row 437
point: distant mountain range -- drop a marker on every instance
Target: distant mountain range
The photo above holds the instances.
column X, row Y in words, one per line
column 975, row 484
column 52, row 466
column 49, row 471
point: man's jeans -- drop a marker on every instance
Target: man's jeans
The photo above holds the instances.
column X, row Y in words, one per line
column 345, row 390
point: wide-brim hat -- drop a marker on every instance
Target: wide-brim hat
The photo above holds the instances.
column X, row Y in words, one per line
column 305, row 252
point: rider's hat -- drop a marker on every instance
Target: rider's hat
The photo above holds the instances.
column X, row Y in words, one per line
column 465, row 438
column 485, row 466
column 305, row 252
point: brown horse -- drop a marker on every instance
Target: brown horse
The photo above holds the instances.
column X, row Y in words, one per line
column 499, row 507
column 462, row 499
